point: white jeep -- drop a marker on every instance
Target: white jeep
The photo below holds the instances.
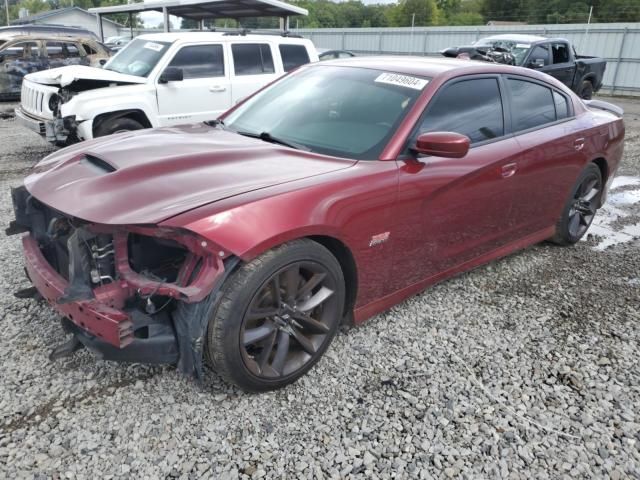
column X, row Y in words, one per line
column 157, row 80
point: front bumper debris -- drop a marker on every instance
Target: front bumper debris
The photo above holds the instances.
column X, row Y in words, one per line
column 119, row 313
column 27, row 121
column 55, row 131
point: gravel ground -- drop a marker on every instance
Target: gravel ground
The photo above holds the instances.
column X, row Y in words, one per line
column 525, row 368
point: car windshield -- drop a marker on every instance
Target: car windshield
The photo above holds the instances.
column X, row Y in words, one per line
column 339, row 111
column 517, row 49
column 138, row 57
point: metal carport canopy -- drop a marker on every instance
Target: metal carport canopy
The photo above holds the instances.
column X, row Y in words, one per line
column 204, row 9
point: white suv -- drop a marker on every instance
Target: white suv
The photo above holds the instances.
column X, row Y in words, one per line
column 157, row 80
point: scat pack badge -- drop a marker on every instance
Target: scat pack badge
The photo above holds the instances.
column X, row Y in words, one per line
column 379, row 238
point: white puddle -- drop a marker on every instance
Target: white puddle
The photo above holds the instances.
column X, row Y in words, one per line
column 620, row 204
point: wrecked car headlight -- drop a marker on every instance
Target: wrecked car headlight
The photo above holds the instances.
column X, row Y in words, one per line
column 54, row 103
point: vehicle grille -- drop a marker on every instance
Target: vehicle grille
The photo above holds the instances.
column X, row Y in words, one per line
column 34, row 99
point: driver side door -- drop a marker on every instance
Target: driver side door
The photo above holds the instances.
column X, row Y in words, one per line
column 203, row 93
column 454, row 210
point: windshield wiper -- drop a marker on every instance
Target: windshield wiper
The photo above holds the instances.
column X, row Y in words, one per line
column 267, row 137
column 217, row 123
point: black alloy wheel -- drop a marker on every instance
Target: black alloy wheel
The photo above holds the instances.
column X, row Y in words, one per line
column 277, row 316
column 585, row 205
column 581, row 207
column 288, row 320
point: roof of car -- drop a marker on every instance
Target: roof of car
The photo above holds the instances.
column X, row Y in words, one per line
column 217, row 36
column 430, row 67
column 517, row 37
column 49, row 36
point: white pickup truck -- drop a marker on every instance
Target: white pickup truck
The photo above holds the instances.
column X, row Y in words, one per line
column 157, row 80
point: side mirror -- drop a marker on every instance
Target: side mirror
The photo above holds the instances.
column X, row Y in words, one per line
column 536, row 63
column 171, row 74
column 442, row 144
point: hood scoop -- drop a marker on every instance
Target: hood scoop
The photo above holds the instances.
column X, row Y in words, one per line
column 97, row 163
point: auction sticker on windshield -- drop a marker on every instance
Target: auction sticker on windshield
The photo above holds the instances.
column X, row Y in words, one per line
column 156, row 47
column 402, row 80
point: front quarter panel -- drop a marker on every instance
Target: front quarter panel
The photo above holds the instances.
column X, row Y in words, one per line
column 353, row 206
column 91, row 103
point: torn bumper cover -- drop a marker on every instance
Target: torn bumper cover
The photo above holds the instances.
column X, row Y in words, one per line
column 127, row 293
column 55, row 131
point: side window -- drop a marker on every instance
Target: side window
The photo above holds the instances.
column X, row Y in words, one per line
column 532, row 104
column 560, row 52
column 562, row 107
column 200, row 61
column 62, row 50
column 252, row 58
column 88, row 49
column 293, row 56
column 471, row 107
column 22, row 51
column 540, row 52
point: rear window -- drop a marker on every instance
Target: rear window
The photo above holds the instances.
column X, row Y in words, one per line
column 252, row 59
column 62, row 50
column 532, row 104
column 293, row 56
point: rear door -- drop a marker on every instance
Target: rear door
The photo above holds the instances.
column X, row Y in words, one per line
column 253, row 67
column 552, row 145
column 561, row 65
column 205, row 91
column 63, row 53
column 454, row 210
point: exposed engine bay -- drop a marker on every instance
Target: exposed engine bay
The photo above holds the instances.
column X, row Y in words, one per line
column 126, row 293
column 485, row 53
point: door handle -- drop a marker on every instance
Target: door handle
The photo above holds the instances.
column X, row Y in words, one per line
column 578, row 144
column 217, row 88
column 509, row 170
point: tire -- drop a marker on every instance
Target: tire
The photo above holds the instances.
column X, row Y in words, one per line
column 581, row 207
column 586, row 90
column 247, row 333
column 117, row 125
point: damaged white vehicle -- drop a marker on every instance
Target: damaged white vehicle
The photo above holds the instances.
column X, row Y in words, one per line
column 157, row 80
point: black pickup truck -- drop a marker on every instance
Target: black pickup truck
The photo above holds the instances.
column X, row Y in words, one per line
column 554, row 56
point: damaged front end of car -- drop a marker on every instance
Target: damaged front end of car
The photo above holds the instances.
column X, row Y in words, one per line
column 127, row 293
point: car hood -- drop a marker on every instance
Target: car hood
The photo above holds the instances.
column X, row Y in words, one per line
column 65, row 76
column 148, row 176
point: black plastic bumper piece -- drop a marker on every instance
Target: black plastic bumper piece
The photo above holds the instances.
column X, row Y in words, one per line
column 158, row 347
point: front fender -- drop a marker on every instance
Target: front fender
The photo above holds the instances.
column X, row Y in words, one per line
column 353, row 206
column 88, row 105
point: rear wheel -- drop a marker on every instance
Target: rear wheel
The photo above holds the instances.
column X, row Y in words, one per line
column 581, row 207
column 117, row 125
column 277, row 316
column 586, row 90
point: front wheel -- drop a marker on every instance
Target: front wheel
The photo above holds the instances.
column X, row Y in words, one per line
column 277, row 316
column 581, row 207
column 117, row 125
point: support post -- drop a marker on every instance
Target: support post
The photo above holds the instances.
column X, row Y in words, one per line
column 165, row 17
column 6, row 7
column 131, row 24
column 615, row 74
column 99, row 24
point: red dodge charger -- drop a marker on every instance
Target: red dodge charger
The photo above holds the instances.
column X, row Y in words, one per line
column 332, row 194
